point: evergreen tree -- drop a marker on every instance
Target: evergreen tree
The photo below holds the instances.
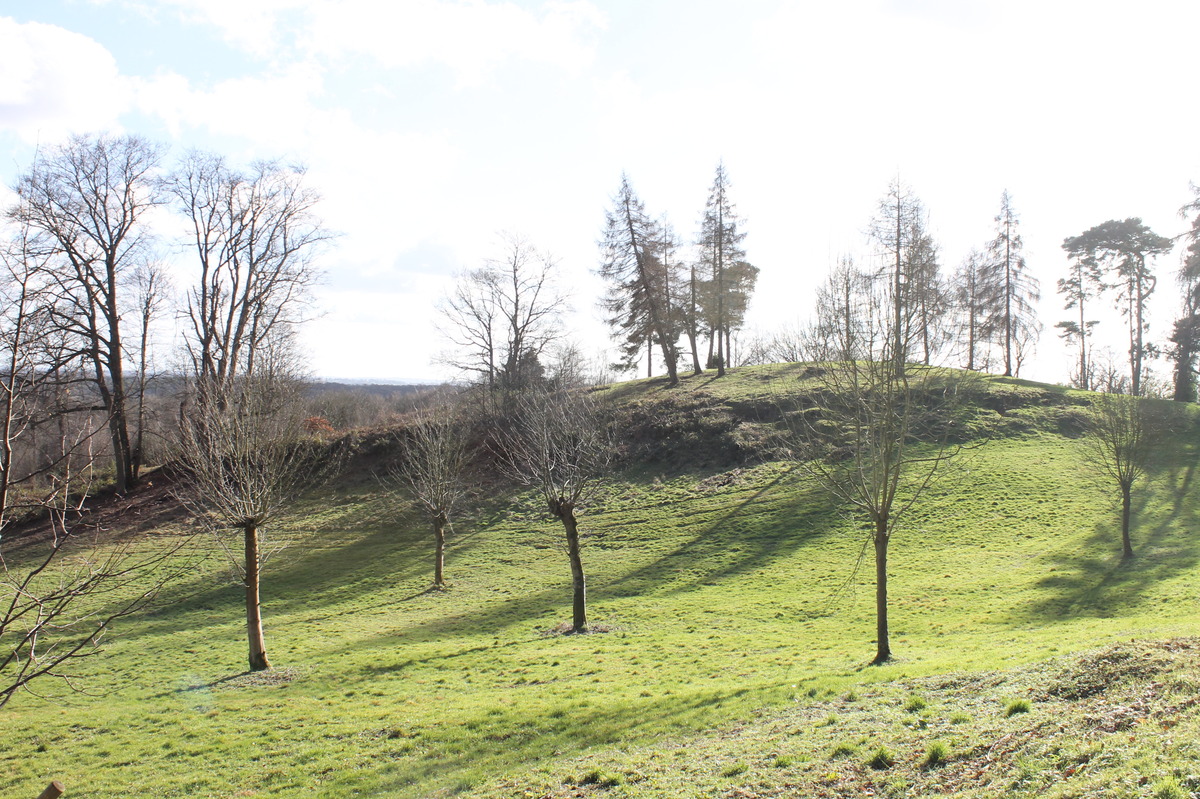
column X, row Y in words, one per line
column 1014, row 316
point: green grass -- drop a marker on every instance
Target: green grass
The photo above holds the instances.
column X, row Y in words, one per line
column 723, row 595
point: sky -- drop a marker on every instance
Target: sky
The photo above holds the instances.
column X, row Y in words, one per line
column 431, row 127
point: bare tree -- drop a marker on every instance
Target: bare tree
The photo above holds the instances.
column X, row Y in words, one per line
column 85, row 202
column 58, row 596
column 881, row 434
column 560, row 446
column 432, row 467
column 246, row 457
column 1122, row 436
column 501, row 317
column 256, row 236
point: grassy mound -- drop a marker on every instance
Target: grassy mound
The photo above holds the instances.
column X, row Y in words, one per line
column 732, row 617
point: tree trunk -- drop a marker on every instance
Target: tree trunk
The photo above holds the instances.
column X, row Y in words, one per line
column 254, row 629
column 439, row 551
column 883, row 647
column 1126, row 546
column 578, row 582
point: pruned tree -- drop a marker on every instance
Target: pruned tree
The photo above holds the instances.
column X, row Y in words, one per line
column 730, row 279
column 432, row 469
column 501, row 317
column 1014, row 315
column 1122, row 435
column 559, row 444
column 256, row 236
column 638, row 298
column 881, row 434
column 85, row 203
column 246, row 458
column 1120, row 249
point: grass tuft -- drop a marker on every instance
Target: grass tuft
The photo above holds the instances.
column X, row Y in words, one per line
column 1016, row 706
column 883, row 759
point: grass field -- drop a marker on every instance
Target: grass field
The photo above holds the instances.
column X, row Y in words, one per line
column 734, row 633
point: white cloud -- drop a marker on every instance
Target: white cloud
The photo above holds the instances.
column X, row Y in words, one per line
column 470, row 37
column 54, row 81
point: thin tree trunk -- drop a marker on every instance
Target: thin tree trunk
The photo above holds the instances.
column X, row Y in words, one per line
column 883, row 647
column 578, row 582
column 1126, row 546
column 439, row 551
column 254, row 628
column 692, row 325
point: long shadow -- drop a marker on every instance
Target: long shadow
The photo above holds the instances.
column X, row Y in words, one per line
column 370, row 555
column 1091, row 579
column 728, row 548
column 710, row 556
column 500, row 745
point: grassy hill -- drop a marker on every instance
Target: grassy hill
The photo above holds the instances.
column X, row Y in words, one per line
column 734, row 636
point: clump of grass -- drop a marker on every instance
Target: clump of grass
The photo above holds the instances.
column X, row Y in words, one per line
column 960, row 718
column 1169, row 788
column 851, row 695
column 828, row 721
column 936, row 754
column 1016, row 706
column 783, row 761
column 844, row 749
column 915, row 704
column 734, row 769
column 598, row 777
column 883, row 758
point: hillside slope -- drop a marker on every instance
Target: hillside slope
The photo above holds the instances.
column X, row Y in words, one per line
column 727, row 599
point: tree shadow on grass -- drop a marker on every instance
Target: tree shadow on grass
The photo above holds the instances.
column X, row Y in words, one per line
column 749, row 536
column 501, row 743
column 1090, row 579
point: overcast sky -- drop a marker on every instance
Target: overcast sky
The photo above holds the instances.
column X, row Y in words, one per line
column 429, row 126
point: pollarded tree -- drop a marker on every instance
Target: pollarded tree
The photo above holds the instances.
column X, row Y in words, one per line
column 560, row 445
column 730, row 279
column 246, row 457
column 1121, row 248
column 1014, row 317
column 1122, row 435
column 883, row 432
column 638, row 298
column 86, row 203
column 432, row 466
